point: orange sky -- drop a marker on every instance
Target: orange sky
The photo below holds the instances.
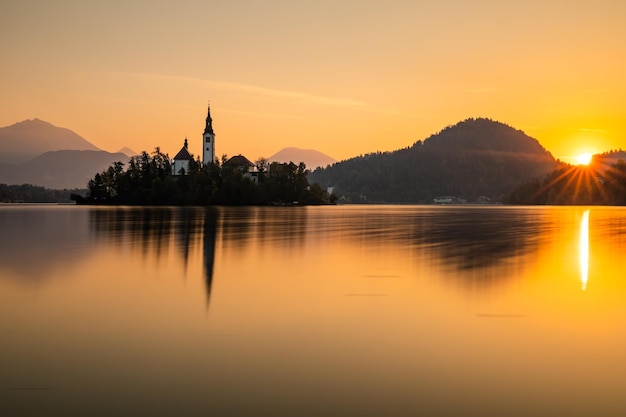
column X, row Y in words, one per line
column 345, row 77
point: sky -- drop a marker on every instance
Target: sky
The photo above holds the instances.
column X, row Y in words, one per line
column 345, row 77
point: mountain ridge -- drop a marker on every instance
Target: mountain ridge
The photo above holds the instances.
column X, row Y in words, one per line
column 64, row 169
column 311, row 157
column 29, row 138
column 473, row 159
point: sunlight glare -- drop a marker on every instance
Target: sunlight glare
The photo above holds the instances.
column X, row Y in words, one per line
column 584, row 159
column 583, row 253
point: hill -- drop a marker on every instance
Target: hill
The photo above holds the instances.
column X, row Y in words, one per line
column 128, row 152
column 604, row 160
column 474, row 158
column 60, row 169
column 310, row 157
column 25, row 140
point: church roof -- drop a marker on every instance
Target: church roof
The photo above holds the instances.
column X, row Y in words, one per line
column 239, row 161
column 183, row 155
column 209, row 123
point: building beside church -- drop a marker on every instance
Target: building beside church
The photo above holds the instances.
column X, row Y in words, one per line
column 180, row 163
column 243, row 165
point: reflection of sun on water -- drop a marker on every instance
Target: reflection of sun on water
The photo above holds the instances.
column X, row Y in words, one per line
column 583, row 249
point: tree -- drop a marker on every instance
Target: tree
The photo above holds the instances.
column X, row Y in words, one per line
column 149, row 180
column 262, row 164
column 97, row 189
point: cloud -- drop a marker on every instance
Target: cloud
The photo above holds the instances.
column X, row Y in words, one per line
column 301, row 97
column 256, row 113
column 291, row 95
column 481, row 90
column 142, row 101
column 593, row 130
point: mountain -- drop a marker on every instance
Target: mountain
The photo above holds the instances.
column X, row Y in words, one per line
column 310, row 157
column 128, row 152
column 25, row 140
column 474, row 158
column 60, row 169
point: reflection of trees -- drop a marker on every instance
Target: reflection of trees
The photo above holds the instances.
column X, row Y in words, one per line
column 145, row 228
column 472, row 240
column 280, row 225
column 154, row 229
column 475, row 238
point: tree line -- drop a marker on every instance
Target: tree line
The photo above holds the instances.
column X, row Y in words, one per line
column 575, row 185
column 473, row 159
column 148, row 180
column 28, row 193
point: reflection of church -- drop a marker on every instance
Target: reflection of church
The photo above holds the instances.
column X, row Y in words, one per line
column 180, row 163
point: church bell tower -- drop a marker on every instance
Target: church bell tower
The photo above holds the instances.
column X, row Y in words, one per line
column 208, row 141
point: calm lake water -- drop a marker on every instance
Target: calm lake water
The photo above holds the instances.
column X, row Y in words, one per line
column 318, row 311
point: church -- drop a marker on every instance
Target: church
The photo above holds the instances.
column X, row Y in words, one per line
column 180, row 163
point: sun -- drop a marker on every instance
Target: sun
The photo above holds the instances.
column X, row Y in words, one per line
column 584, row 159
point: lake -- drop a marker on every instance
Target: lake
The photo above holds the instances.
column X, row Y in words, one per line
column 312, row 311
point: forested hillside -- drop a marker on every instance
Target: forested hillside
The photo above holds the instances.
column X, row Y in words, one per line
column 474, row 158
column 602, row 182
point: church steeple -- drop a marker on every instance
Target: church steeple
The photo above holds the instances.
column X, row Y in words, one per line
column 208, row 140
column 209, row 122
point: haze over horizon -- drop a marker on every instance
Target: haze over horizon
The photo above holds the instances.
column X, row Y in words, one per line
column 342, row 77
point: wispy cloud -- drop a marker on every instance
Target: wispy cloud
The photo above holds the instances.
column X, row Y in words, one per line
column 481, row 90
column 301, row 97
column 291, row 95
column 263, row 114
column 141, row 101
column 593, row 130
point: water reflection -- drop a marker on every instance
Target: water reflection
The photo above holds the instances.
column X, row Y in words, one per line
column 209, row 239
column 241, row 226
column 466, row 240
column 153, row 230
column 477, row 245
column 479, row 238
column 583, row 248
column 313, row 311
column 37, row 240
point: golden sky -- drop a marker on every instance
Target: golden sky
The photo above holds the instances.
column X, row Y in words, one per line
column 345, row 77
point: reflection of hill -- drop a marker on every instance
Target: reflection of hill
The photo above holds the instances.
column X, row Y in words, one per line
column 478, row 242
column 468, row 239
column 471, row 240
column 478, row 238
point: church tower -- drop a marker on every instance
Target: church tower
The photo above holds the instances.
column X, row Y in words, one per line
column 208, row 141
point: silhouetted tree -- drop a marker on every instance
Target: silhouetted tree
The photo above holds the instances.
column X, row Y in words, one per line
column 149, row 180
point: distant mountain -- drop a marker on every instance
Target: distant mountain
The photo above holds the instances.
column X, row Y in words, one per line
column 128, row 152
column 60, row 169
column 25, row 140
column 474, row 158
column 310, row 157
